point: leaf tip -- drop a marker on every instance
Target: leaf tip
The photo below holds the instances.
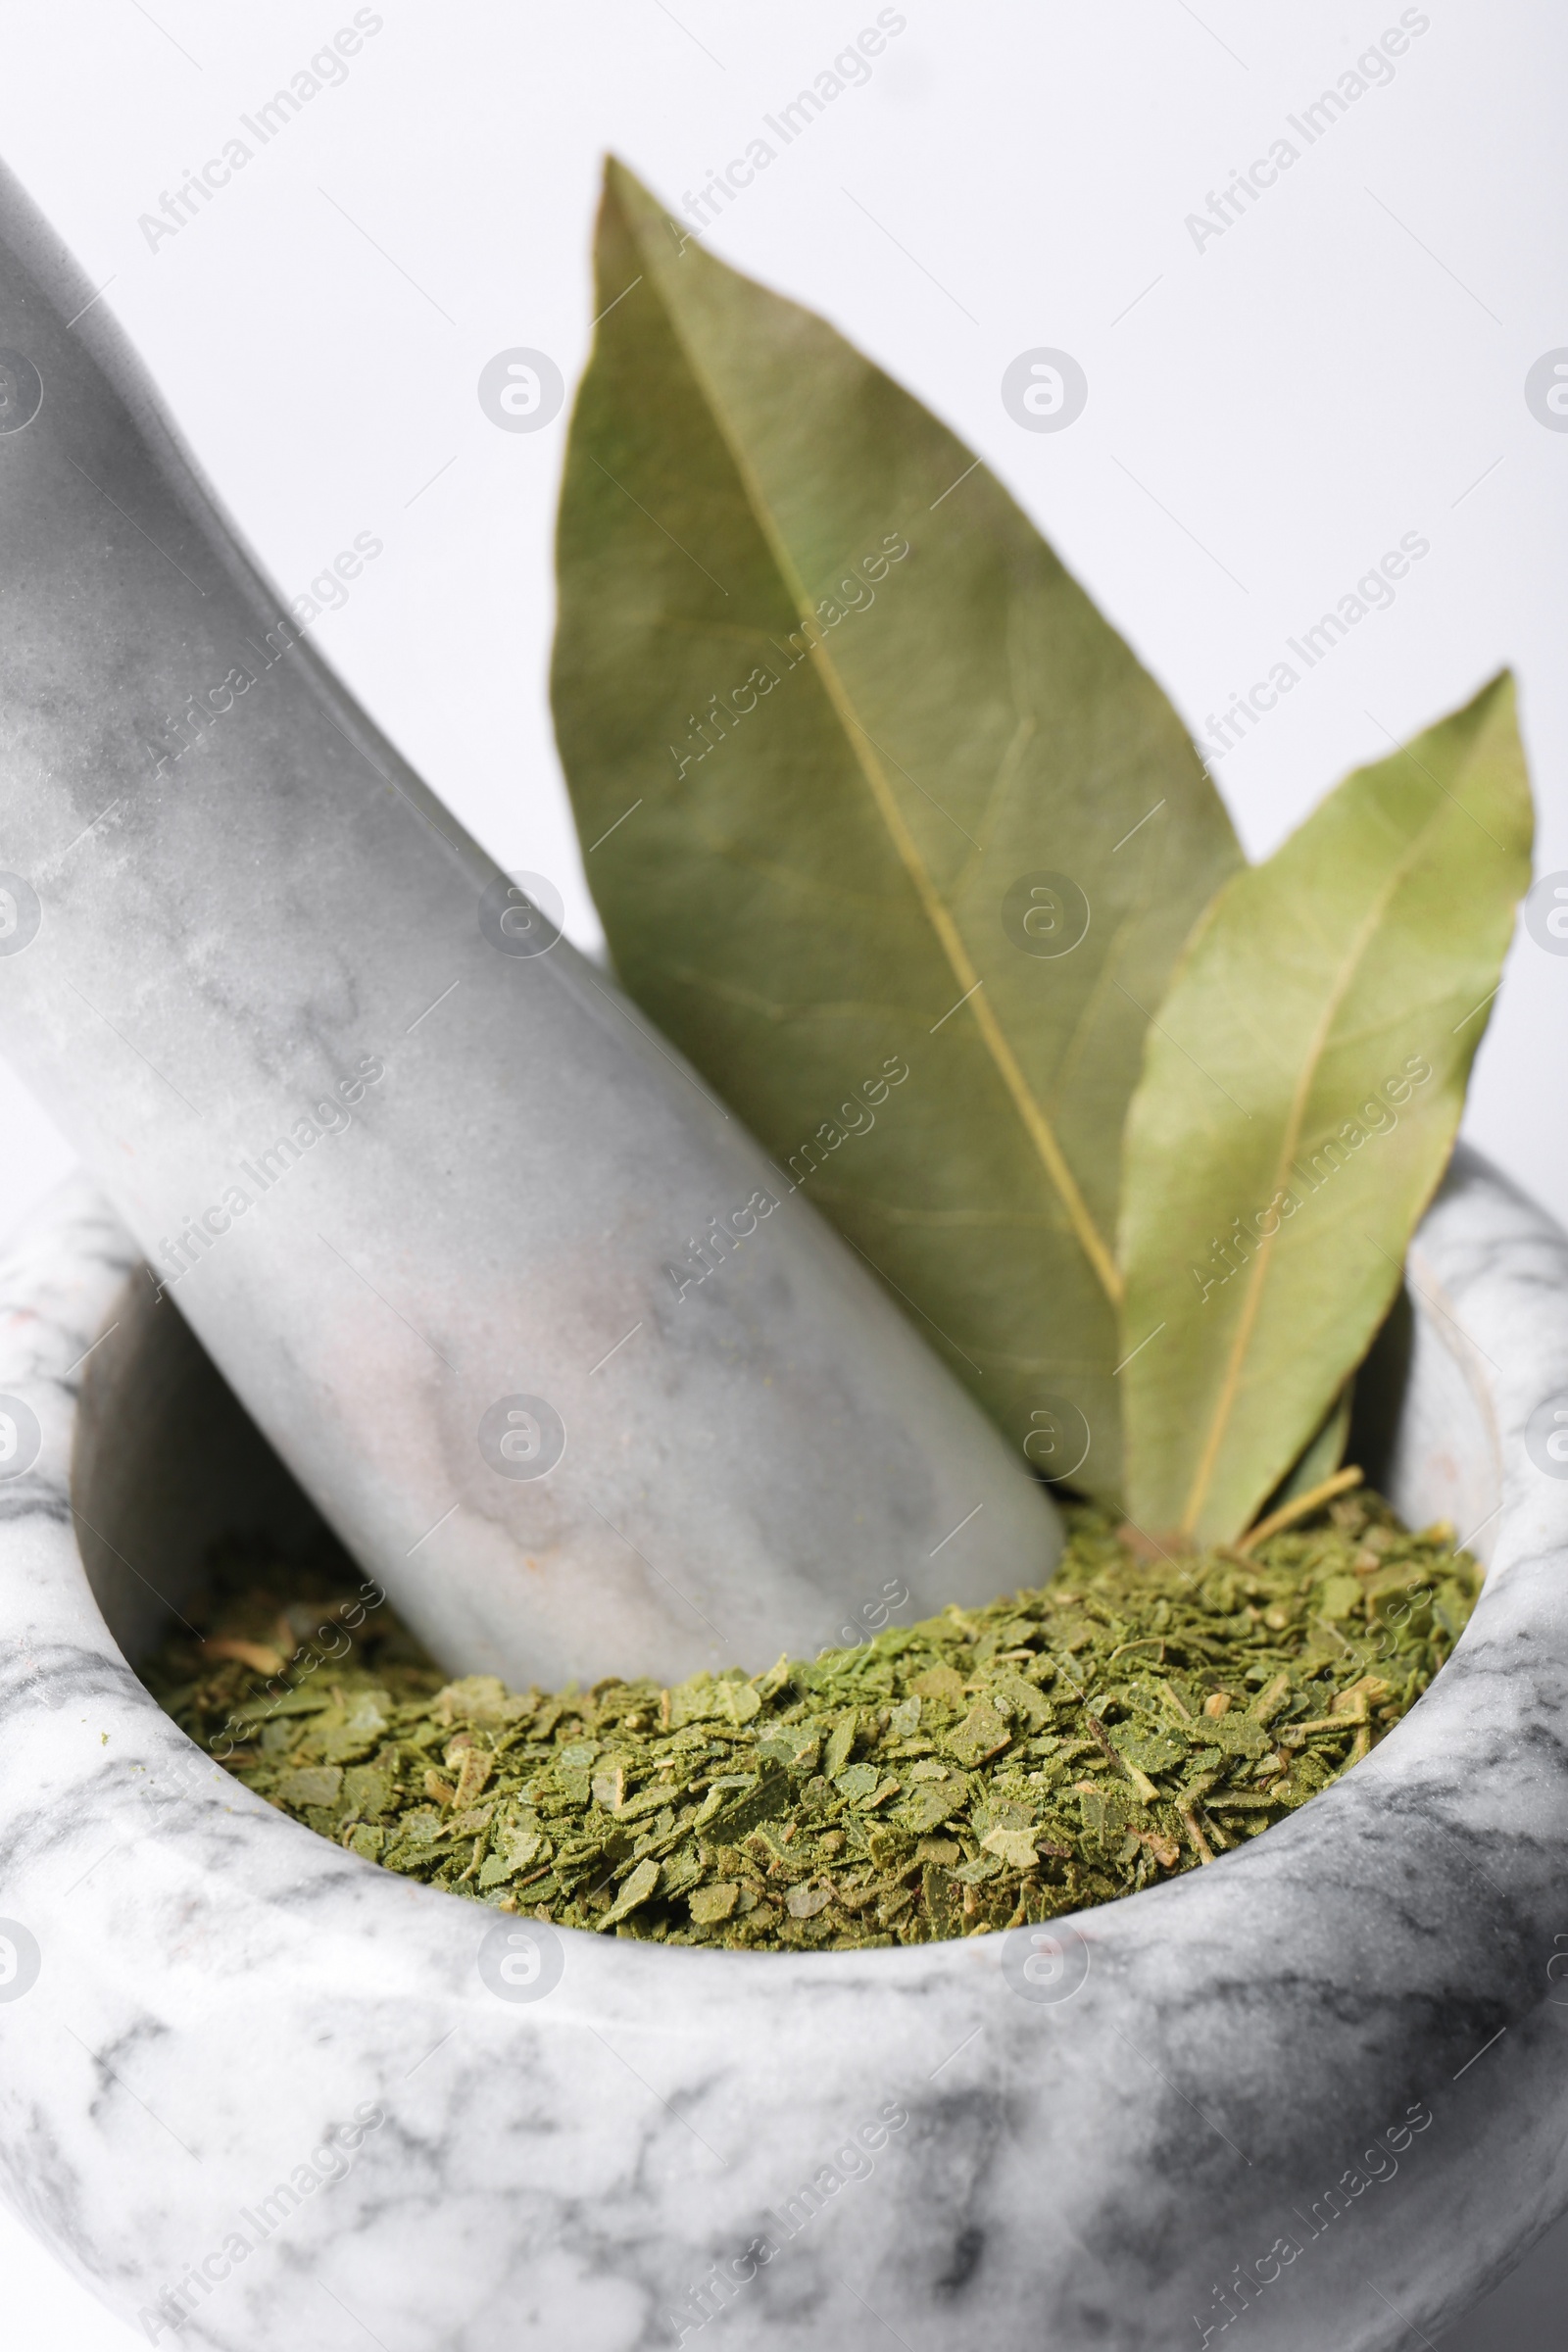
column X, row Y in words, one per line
column 625, row 196
column 1493, row 705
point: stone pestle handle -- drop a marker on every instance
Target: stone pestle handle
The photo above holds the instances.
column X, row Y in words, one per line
column 413, row 1169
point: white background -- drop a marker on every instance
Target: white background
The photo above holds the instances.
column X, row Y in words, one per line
column 1266, row 414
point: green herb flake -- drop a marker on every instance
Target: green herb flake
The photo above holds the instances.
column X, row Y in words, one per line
column 983, row 1769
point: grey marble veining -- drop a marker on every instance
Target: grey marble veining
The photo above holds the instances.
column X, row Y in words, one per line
column 1309, row 2096
column 546, row 1335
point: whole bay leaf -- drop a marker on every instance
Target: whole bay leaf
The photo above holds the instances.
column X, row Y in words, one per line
column 889, row 831
column 1300, row 1099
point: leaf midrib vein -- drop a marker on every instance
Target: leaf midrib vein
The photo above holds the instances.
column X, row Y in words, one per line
column 1036, row 1125
column 1251, row 1298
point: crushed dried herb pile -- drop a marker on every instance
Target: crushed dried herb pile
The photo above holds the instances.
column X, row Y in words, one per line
column 1061, row 1747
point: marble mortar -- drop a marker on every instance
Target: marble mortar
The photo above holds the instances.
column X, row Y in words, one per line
column 1345, row 2039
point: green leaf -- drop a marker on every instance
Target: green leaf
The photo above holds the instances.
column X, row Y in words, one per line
column 1300, row 1099
column 1324, row 1452
column 830, row 712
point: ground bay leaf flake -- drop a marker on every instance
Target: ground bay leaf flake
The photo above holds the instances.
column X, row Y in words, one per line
column 977, row 1771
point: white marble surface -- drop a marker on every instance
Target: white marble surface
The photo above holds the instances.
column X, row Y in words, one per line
column 217, row 1987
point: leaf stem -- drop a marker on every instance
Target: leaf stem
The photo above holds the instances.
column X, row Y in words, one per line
column 1301, row 1506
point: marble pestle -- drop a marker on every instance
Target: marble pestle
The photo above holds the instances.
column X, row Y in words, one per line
column 413, row 1168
